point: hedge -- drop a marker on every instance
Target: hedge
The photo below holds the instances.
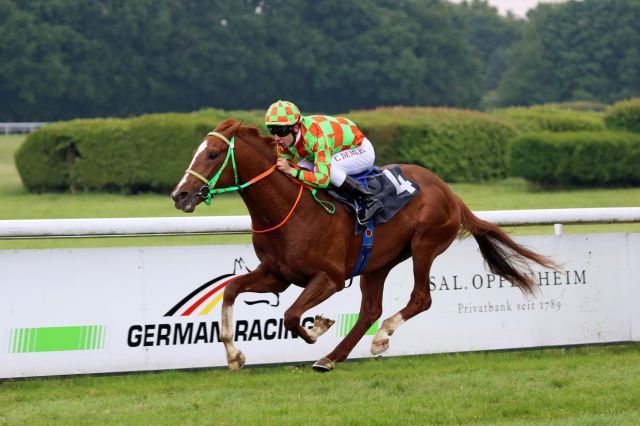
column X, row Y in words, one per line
column 458, row 145
column 216, row 116
column 624, row 115
column 150, row 153
column 550, row 118
column 578, row 105
column 578, row 158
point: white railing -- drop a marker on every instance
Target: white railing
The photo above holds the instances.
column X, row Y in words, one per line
column 74, row 228
column 8, row 128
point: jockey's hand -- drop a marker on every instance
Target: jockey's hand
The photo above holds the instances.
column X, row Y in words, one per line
column 283, row 165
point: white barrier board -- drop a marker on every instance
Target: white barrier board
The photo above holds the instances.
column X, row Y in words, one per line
column 634, row 280
column 75, row 311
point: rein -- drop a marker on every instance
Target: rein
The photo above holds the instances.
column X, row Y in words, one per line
column 326, row 205
column 295, row 204
column 207, row 192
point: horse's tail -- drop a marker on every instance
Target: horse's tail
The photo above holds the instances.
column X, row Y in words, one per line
column 504, row 256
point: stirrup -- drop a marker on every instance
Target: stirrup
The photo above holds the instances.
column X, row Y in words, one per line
column 360, row 221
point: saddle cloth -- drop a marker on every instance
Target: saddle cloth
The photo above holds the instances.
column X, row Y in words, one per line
column 389, row 185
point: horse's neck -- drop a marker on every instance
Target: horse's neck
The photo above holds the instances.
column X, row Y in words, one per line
column 270, row 199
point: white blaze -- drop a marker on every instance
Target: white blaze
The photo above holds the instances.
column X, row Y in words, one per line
column 201, row 149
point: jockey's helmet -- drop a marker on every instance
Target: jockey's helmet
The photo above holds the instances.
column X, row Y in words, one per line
column 282, row 113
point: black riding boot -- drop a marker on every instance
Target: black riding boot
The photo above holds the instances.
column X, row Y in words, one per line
column 369, row 204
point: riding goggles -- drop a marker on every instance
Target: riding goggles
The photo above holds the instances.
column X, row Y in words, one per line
column 281, row 131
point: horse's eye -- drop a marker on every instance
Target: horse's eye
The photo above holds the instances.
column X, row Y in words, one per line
column 212, row 155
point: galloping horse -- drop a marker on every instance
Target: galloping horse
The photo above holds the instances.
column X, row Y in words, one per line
column 297, row 242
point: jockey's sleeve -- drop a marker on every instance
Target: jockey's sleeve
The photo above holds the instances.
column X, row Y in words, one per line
column 284, row 153
column 320, row 178
column 322, row 166
column 319, row 146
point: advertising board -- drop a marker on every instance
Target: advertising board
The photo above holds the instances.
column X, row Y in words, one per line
column 78, row 311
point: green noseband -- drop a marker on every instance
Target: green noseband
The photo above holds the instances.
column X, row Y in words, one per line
column 211, row 183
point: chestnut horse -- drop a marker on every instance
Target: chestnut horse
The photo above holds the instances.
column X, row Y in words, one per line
column 297, row 242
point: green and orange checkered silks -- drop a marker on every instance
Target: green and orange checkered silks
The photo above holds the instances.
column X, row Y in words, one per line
column 282, row 113
column 321, row 137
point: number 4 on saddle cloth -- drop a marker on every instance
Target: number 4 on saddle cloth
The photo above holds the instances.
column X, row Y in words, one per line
column 392, row 188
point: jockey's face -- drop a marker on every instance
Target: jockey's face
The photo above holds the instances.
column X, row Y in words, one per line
column 287, row 141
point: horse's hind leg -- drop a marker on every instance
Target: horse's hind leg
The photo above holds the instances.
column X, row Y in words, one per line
column 371, row 287
column 258, row 281
column 420, row 300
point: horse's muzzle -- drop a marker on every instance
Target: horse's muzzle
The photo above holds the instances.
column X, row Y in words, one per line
column 184, row 201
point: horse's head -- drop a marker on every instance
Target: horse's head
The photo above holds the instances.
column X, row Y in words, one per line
column 209, row 161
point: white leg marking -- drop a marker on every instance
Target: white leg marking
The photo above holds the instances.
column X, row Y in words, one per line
column 235, row 358
column 380, row 341
column 320, row 326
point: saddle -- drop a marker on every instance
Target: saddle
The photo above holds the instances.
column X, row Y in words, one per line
column 389, row 186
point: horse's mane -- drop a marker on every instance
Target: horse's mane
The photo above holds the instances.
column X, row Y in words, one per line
column 247, row 132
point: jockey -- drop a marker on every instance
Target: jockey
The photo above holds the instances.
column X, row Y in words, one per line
column 329, row 148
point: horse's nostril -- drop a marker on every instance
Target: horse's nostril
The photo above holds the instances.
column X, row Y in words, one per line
column 179, row 196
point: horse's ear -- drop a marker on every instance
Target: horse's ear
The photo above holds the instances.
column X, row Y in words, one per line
column 236, row 127
column 229, row 125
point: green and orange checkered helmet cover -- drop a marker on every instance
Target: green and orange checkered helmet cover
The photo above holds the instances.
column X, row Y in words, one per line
column 282, row 113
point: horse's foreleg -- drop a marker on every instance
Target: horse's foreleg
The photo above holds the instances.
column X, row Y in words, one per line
column 317, row 290
column 420, row 301
column 258, row 281
column 371, row 287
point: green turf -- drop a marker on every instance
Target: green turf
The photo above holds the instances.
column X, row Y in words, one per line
column 9, row 179
column 16, row 203
column 515, row 194
column 588, row 385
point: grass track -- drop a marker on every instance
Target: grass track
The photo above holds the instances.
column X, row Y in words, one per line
column 586, row 385
column 9, row 178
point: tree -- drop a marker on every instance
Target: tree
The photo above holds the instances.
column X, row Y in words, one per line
column 576, row 51
column 490, row 36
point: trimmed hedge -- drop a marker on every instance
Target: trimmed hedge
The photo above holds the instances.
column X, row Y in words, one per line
column 577, row 159
column 624, row 115
column 218, row 115
column 548, row 118
column 148, row 153
column 458, row 145
column 579, row 105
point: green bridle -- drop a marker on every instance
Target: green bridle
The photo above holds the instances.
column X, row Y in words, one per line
column 211, row 183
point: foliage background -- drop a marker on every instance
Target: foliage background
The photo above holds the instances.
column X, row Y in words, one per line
column 150, row 153
column 65, row 59
column 578, row 158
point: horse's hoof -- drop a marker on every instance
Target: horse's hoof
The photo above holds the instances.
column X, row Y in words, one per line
column 378, row 347
column 236, row 362
column 323, row 365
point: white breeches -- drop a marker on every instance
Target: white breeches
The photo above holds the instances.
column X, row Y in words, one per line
column 348, row 162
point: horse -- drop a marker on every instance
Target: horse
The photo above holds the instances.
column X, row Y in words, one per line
column 297, row 242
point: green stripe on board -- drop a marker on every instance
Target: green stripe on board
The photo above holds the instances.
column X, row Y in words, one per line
column 50, row 339
column 347, row 321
